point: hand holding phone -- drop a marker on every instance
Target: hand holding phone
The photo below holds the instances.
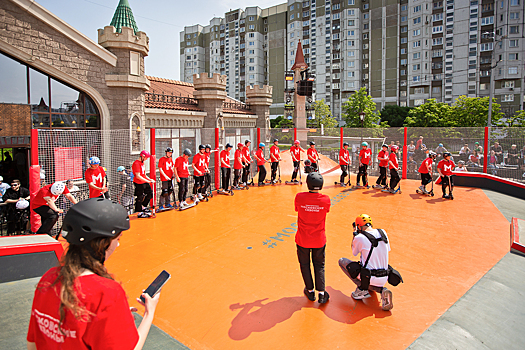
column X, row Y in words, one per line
column 156, row 285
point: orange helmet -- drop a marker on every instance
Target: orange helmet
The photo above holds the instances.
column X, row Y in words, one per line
column 363, row 219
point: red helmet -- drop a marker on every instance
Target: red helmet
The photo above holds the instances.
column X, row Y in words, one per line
column 297, row 142
column 394, row 147
column 145, row 154
column 240, row 144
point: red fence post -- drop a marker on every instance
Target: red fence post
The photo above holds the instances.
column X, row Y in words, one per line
column 485, row 150
column 295, row 134
column 258, row 138
column 217, row 163
column 405, row 156
column 341, row 138
column 152, row 166
column 34, row 179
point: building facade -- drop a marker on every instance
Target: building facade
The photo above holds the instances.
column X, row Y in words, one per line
column 403, row 51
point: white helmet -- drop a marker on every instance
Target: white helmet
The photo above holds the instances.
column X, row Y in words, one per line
column 22, row 204
column 1, row 179
column 57, row 188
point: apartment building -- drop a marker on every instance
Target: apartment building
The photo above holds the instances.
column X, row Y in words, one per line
column 402, row 51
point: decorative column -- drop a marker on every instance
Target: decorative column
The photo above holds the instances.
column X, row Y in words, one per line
column 210, row 92
column 299, row 118
column 260, row 99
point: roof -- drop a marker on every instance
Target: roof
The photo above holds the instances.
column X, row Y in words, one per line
column 123, row 17
column 299, row 58
column 182, row 93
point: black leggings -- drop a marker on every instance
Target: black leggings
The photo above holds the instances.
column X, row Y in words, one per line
column 262, row 173
column 49, row 218
column 344, row 169
column 245, row 173
column 394, row 178
column 425, row 179
column 226, row 173
column 318, row 260
column 274, row 170
column 381, row 180
column 183, row 189
column 363, row 174
column 167, row 190
column 144, row 194
column 236, row 176
column 444, row 183
column 198, row 187
column 295, row 169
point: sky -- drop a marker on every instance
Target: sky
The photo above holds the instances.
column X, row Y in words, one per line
column 161, row 20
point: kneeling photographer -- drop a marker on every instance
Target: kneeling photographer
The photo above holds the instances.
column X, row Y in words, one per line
column 372, row 272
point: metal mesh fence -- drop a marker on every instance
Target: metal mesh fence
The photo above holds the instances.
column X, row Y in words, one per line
column 506, row 153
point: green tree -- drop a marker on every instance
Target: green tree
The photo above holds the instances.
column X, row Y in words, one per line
column 429, row 114
column 323, row 115
column 473, row 112
column 361, row 101
column 518, row 119
column 394, row 115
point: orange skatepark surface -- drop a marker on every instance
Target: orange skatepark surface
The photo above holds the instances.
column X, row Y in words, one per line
column 236, row 282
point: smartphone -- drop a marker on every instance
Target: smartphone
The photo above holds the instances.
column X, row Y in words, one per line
column 156, row 285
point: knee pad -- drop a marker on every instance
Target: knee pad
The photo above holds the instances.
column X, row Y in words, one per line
column 366, row 274
column 354, row 268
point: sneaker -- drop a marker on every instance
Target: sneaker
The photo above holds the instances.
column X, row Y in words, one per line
column 422, row 189
column 295, row 180
column 392, row 191
column 309, row 295
column 386, row 189
column 261, row 184
column 143, row 215
column 359, row 294
column 342, row 184
column 161, row 207
column 358, row 184
column 386, row 300
column 184, row 204
column 323, row 298
column 377, row 186
column 146, row 210
column 445, row 196
column 200, row 196
column 168, row 206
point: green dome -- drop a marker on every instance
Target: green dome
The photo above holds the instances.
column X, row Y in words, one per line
column 123, row 17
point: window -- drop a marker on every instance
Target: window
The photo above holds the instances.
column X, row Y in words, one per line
column 403, row 72
column 336, row 6
column 417, row 43
column 416, row 78
column 514, row 15
column 351, row 12
column 365, row 36
column 437, row 17
column 514, row 2
column 514, row 29
column 509, row 84
column 404, row 7
column 291, row 7
column 351, row 53
column 404, row 61
column 508, row 98
column 404, row 29
column 351, row 23
column 351, row 43
column 306, row 23
column 416, row 67
column 336, row 16
column 250, row 27
column 419, row 102
column 351, row 64
column 250, row 18
column 419, row 90
column 306, row 13
column 404, row 18
column 437, row 41
column 351, row 74
column 513, row 70
column 351, row 33
column 404, row 40
column 513, row 43
column 350, row 84
column 292, row 16
column 487, row 20
column 417, row 32
column 403, row 93
column 486, row 47
column 417, row 20
column 416, row 55
column 436, row 89
column 251, row 52
column 417, row 8
column 437, row 29
column 403, row 51
column 291, row 35
column 365, row 46
column 365, row 15
column 251, row 69
column 365, row 26
column 350, row 2
column 483, row 86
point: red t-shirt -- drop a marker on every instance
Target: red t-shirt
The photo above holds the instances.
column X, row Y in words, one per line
column 225, row 156
column 260, row 157
column 166, row 164
column 344, row 157
column 393, row 158
column 419, row 143
column 423, row 169
column 383, row 154
column 111, row 327
column 45, row 191
column 237, row 164
column 274, row 153
column 95, row 176
column 311, row 211
column 296, row 152
column 208, row 157
column 365, row 155
column 446, row 166
column 181, row 164
column 140, row 168
column 312, row 155
column 246, row 153
column 199, row 161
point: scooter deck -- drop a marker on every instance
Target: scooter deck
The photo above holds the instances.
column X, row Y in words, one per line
column 191, row 205
column 293, row 183
column 225, row 193
column 429, row 194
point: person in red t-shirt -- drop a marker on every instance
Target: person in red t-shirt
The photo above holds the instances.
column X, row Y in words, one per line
column 445, row 168
column 95, row 178
column 259, row 156
column 311, row 208
column 166, row 165
column 295, row 152
column 225, row 167
column 344, row 163
column 77, row 305
column 247, row 160
column 426, row 171
column 44, row 205
column 313, row 156
column 199, row 165
column 364, row 159
column 394, row 167
column 275, row 158
column 181, row 175
column 143, row 191
column 382, row 157
column 207, row 175
column 237, row 166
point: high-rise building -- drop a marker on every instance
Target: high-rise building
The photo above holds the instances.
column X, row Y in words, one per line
column 404, row 52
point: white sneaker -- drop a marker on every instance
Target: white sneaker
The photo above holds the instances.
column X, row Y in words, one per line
column 183, row 204
column 200, row 196
column 422, row 189
column 386, row 300
column 359, row 294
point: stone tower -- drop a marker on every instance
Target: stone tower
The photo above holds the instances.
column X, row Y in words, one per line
column 299, row 116
column 127, row 79
column 210, row 91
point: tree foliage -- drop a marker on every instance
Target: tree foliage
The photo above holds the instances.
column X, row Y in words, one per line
column 473, row 112
column 361, row 101
column 394, row 115
column 517, row 119
column 323, row 115
column 281, row 123
column 429, row 114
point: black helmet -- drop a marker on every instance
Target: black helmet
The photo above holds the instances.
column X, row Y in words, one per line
column 247, row 141
column 229, row 145
column 384, row 145
column 307, row 162
column 201, row 147
column 207, row 146
column 446, row 154
column 169, row 149
column 312, row 143
column 346, row 144
column 94, row 218
column 314, row 181
column 187, row 152
column 275, row 140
